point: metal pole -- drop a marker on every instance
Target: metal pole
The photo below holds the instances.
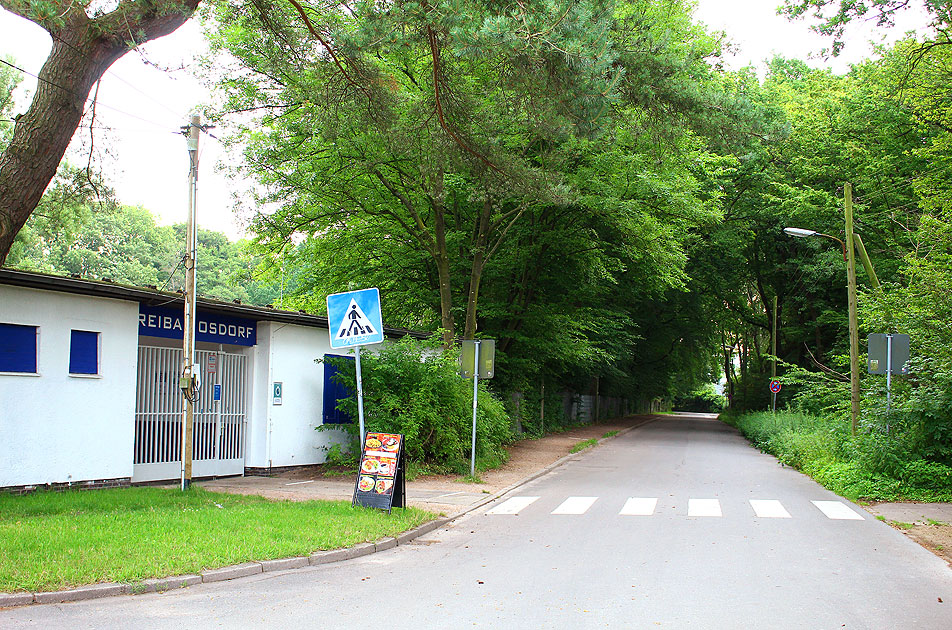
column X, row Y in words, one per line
column 773, row 351
column 472, row 461
column 889, row 339
column 853, row 323
column 188, row 350
column 360, row 400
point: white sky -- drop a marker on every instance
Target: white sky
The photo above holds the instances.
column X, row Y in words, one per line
column 146, row 107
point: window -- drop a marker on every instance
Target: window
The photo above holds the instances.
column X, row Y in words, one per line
column 84, row 352
column 334, row 392
column 18, row 348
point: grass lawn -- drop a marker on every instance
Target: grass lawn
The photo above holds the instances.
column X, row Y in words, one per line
column 55, row 540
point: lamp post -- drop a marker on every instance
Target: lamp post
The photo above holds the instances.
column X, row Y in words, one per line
column 850, row 257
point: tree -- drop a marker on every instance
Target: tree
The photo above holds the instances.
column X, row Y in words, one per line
column 86, row 41
column 429, row 124
column 835, row 15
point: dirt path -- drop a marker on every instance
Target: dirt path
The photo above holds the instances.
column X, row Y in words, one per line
column 529, row 456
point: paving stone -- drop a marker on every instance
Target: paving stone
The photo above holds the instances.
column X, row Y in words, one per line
column 15, row 599
column 232, row 572
column 283, row 564
column 93, row 591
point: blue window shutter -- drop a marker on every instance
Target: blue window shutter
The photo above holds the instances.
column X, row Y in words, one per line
column 334, row 392
column 84, row 352
column 17, row 348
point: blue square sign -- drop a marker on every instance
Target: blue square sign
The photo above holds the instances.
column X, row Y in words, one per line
column 354, row 318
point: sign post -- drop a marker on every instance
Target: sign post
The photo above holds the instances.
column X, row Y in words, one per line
column 354, row 320
column 477, row 360
column 887, row 354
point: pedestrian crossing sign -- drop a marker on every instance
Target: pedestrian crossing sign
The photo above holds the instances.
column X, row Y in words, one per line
column 354, row 318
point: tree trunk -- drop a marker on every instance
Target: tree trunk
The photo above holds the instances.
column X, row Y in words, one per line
column 476, row 272
column 442, row 258
column 83, row 49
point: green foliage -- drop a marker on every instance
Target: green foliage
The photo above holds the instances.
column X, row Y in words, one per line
column 871, row 466
column 79, row 228
column 9, row 79
column 704, row 400
column 414, row 388
column 584, row 444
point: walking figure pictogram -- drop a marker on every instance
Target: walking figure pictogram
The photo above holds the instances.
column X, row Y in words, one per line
column 354, row 322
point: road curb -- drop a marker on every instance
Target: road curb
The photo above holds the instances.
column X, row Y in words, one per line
column 231, row 572
column 161, row 585
column 93, row 591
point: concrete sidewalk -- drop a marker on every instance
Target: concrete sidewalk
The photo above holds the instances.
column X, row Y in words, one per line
column 437, row 496
column 445, row 495
column 916, row 513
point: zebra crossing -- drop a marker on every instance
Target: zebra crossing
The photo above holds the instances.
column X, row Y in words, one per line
column 696, row 507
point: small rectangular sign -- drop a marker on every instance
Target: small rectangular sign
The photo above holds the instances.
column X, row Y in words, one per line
column 380, row 480
column 879, row 349
column 487, row 357
column 211, row 365
column 277, row 393
column 216, row 394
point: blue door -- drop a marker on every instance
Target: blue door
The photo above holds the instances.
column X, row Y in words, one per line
column 333, row 392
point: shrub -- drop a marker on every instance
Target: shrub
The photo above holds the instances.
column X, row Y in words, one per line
column 414, row 388
column 929, row 475
column 704, row 400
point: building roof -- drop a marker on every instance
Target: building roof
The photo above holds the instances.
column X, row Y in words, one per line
column 154, row 297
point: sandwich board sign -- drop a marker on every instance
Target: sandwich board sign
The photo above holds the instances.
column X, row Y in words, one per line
column 354, row 318
column 380, row 481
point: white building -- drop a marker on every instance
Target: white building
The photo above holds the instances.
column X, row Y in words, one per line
column 88, row 385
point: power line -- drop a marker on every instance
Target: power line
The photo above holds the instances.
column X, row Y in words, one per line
column 86, row 98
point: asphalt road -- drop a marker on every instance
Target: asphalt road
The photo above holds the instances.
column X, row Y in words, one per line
column 677, row 524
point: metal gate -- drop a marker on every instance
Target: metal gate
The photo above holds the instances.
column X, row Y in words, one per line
column 218, row 439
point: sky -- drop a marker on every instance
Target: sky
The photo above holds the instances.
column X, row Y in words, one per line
column 144, row 107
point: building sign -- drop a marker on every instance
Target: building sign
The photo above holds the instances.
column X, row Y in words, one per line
column 160, row 321
column 380, row 481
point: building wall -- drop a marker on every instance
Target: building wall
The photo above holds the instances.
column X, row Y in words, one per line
column 57, row 428
column 285, row 353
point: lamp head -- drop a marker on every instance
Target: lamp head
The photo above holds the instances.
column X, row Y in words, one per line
column 799, row 232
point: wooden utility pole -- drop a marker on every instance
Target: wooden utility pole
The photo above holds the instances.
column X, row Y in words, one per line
column 853, row 322
column 189, row 380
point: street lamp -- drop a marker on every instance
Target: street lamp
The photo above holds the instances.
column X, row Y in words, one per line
column 851, row 295
column 801, row 233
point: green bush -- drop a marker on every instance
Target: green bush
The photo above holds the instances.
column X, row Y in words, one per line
column 871, row 465
column 928, row 475
column 414, row 388
column 704, row 400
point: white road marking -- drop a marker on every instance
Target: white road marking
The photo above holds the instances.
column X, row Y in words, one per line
column 513, row 505
column 636, row 506
column 297, row 483
column 769, row 508
column 837, row 510
column 575, row 505
column 704, row 507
